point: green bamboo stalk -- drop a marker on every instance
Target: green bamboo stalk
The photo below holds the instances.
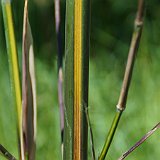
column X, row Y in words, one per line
column 76, row 79
column 13, row 65
column 127, row 77
column 110, row 135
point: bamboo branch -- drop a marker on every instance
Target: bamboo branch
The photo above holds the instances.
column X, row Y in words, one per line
column 144, row 138
column 138, row 25
column 6, row 154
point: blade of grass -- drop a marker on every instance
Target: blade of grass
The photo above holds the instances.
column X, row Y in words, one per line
column 91, row 134
column 13, row 66
column 60, row 67
column 6, row 154
column 28, row 89
column 144, row 138
column 127, row 77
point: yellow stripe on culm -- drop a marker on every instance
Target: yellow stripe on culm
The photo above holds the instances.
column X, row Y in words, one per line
column 77, row 78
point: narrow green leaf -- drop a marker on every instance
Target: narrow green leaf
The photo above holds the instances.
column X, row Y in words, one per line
column 13, row 66
column 28, row 89
column 91, row 135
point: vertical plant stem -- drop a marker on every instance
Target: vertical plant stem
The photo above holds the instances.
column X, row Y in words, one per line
column 138, row 25
column 77, row 66
column 68, row 83
column 13, row 64
column 60, row 62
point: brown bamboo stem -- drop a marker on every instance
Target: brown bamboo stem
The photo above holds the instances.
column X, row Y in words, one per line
column 138, row 25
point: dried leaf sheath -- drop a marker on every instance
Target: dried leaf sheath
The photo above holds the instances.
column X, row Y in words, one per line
column 28, row 89
column 60, row 66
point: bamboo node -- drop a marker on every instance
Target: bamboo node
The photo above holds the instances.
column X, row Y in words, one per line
column 120, row 108
column 138, row 23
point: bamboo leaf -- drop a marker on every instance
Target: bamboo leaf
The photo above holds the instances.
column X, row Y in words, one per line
column 6, row 154
column 28, row 89
column 144, row 138
column 13, row 66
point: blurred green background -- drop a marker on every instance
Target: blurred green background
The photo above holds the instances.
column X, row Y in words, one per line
column 111, row 30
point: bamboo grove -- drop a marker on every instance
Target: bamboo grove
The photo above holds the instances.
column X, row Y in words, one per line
column 73, row 82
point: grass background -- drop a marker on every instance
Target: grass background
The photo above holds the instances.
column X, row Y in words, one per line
column 111, row 30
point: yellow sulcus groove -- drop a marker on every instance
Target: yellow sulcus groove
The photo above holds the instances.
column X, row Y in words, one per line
column 77, row 78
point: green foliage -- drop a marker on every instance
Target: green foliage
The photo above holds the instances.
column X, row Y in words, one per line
column 111, row 28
